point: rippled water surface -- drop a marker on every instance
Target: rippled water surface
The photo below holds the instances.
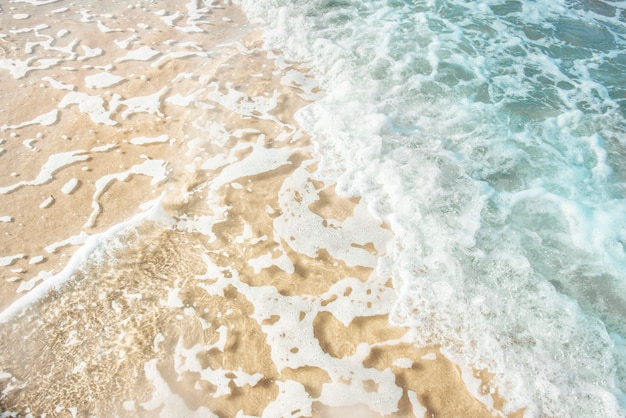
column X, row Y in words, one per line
column 313, row 208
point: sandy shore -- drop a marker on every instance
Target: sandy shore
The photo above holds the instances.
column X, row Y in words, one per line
column 248, row 287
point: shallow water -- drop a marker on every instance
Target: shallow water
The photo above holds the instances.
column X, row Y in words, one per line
column 490, row 136
column 170, row 247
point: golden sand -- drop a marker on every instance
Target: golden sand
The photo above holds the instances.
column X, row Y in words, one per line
column 257, row 296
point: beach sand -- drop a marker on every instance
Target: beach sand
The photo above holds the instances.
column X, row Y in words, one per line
column 164, row 224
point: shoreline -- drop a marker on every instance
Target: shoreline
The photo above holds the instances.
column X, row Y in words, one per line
column 259, row 252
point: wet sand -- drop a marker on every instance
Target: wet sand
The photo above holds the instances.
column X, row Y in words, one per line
column 154, row 182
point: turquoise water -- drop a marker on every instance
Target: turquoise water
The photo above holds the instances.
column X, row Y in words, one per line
column 491, row 136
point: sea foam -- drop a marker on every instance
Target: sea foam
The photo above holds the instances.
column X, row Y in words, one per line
column 488, row 135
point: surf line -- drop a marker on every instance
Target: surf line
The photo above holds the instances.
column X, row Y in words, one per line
column 154, row 212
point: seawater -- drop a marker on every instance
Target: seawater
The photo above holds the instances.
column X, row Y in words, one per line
column 169, row 248
column 490, row 135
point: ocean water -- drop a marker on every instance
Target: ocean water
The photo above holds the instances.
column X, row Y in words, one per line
column 312, row 208
column 490, row 135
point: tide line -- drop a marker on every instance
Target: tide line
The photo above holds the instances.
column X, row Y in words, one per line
column 154, row 212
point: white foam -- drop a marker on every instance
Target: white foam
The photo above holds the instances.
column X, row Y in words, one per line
column 292, row 396
column 173, row 299
column 169, row 20
column 383, row 401
column 202, row 224
column 244, row 105
column 8, row 260
column 189, row 29
column 306, row 83
column 180, row 100
column 70, row 186
column 144, row 140
column 30, row 284
column 186, row 360
column 402, row 132
column 369, row 298
column 283, row 262
column 35, row 29
column 36, row 259
column 418, row 409
column 58, row 85
column 260, row 160
column 79, row 367
column 157, row 169
column 124, row 44
column 168, row 403
column 293, row 330
column 90, row 53
column 299, row 226
column 102, row 80
column 403, row 363
column 48, row 201
column 105, row 29
column 158, row 339
column 36, row 2
column 28, row 143
column 73, row 240
column 92, row 106
column 46, row 173
column 144, row 104
column 49, row 45
column 46, row 119
column 104, row 148
column 177, row 55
